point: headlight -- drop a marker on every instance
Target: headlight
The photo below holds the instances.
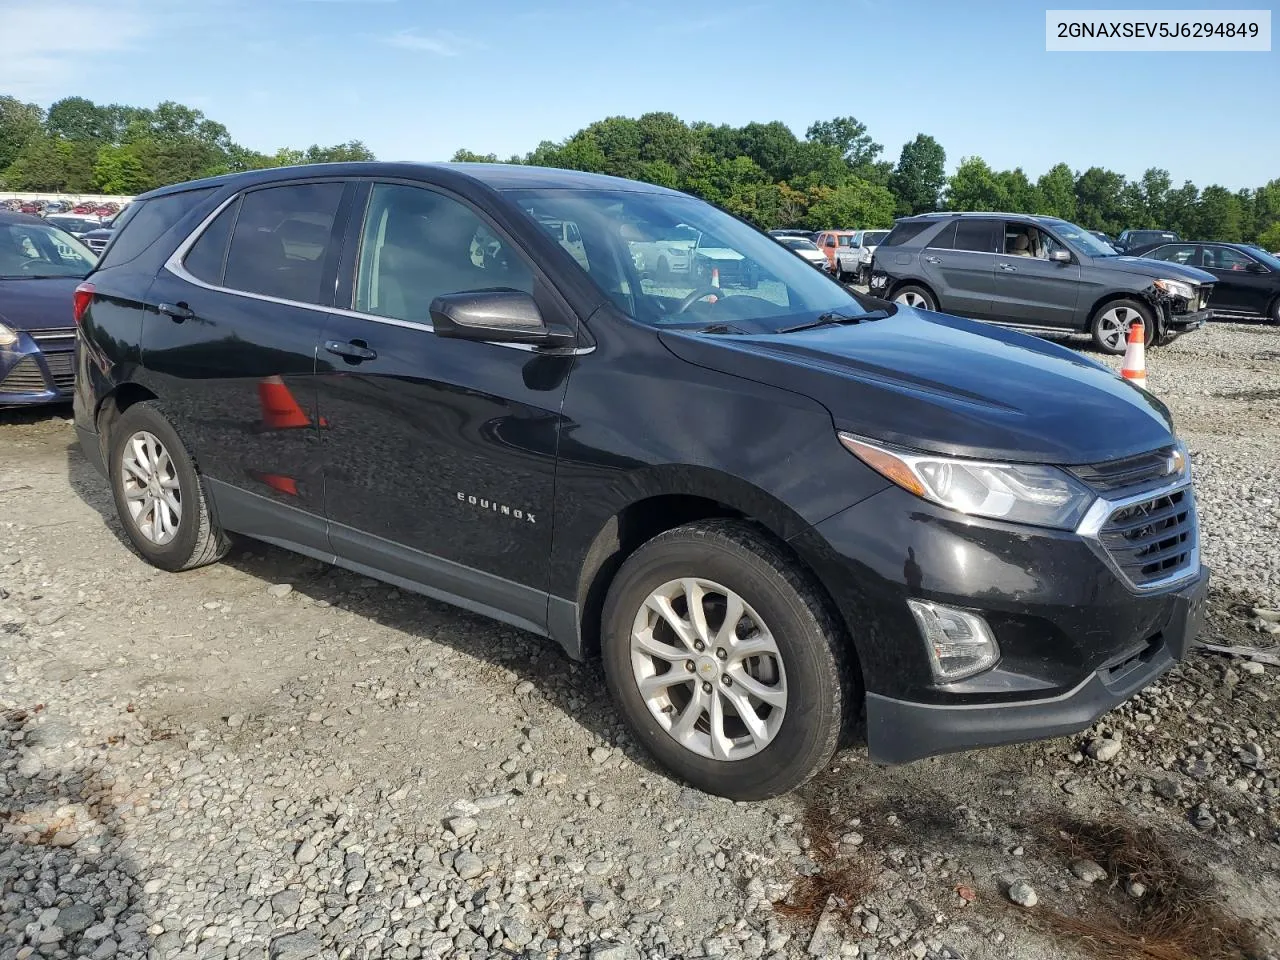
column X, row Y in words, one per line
column 1042, row 496
column 1176, row 288
column 8, row 337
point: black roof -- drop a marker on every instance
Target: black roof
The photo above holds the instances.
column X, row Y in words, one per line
column 947, row 214
column 496, row 176
column 7, row 216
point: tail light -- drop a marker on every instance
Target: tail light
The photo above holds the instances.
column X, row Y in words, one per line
column 83, row 297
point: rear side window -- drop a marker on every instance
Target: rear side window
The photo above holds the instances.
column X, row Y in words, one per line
column 946, row 240
column 977, row 235
column 206, row 259
column 144, row 222
column 906, row 230
column 282, row 240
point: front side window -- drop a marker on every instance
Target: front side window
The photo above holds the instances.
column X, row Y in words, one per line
column 418, row 245
column 281, row 241
column 1024, row 240
column 32, row 250
column 1225, row 258
column 637, row 249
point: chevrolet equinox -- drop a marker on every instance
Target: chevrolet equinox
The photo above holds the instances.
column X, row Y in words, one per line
column 768, row 505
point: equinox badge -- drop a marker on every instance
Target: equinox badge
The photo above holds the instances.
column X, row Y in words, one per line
column 495, row 507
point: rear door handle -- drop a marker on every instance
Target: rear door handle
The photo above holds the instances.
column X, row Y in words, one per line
column 1008, row 267
column 177, row 312
column 355, row 350
column 932, row 259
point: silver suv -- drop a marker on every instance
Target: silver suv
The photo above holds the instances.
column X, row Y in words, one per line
column 1039, row 272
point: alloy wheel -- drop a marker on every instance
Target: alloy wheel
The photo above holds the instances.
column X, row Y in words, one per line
column 1113, row 326
column 708, row 669
column 912, row 299
column 151, row 487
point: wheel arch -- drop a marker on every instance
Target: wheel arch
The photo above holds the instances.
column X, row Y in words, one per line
column 1111, row 296
column 113, row 404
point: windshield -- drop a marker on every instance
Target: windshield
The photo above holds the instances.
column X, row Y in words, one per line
column 872, row 238
column 734, row 276
column 1083, row 240
column 31, row 250
column 799, row 243
column 74, row 223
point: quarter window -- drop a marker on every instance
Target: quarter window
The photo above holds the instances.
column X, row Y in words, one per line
column 143, row 222
column 418, row 245
column 946, row 240
column 208, row 256
column 282, row 239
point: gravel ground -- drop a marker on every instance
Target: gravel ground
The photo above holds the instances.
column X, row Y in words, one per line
column 273, row 758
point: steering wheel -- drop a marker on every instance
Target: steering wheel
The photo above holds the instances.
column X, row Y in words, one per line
column 33, row 263
column 698, row 294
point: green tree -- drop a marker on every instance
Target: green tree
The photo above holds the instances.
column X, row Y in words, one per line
column 1020, row 194
column 352, row 150
column 1057, row 188
column 772, row 146
column 1154, row 188
column 79, row 119
column 975, row 186
column 43, row 163
column 1219, row 215
column 1269, row 239
column 19, row 122
column 466, row 156
column 1181, row 210
column 849, row 136
column 1098, row 203
column 854, row 204
column 920, row 175
column 118, row 170
column 1248, row 214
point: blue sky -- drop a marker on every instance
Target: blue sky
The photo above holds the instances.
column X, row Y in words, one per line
column 416, row 79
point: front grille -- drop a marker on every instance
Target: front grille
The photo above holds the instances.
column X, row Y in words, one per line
column 1153, row 539
column 24, row 378
column 1131, row 472
column 54, row 338
column 96, row 245
column 62, row 369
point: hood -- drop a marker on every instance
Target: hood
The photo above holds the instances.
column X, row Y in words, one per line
column 1156, row 269
column 37, row 304
column 947, row 385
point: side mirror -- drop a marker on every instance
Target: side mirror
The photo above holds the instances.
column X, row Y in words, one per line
column 1060, row 256
column 496, row 316
column 1256, row 268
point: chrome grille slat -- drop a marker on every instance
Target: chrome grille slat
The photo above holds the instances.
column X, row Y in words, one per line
column 1152, row 539
column 25, row 377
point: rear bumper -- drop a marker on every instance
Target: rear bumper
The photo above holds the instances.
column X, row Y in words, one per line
column 92, row 448
column 900, row 731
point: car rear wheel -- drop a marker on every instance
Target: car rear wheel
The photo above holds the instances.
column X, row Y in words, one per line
column 159, row 494
column 1274, row 314
column 1110, row 327
column 724, row 661
column 913, row 296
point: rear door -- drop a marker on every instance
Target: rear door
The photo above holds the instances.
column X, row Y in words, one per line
column 1238, row 289
column 958, row 264
column 231, row 345
column 439, row 454
column 1035, row 290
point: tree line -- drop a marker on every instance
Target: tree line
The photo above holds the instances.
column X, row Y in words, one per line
column 78, row 146
column 836, row 175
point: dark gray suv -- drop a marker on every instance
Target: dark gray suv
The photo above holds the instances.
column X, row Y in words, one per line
column 1037, row 272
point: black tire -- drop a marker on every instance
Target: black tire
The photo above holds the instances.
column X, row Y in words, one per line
column 1102, row 329
column 928, row 303
column 864, row 275
column 817, row 663
column 837, row 272
column 198, row 540
column 1273, row 315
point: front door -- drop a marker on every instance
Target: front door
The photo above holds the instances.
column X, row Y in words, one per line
column 439, row 454
column 232, row 343
column 1030, row 288
column 1243, row 284
column 958, row 265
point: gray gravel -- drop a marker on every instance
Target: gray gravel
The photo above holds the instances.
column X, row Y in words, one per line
column 211, row 765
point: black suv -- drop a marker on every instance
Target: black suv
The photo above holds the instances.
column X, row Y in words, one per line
column 1037, row 272
column 763, row 506
column 1131, row 240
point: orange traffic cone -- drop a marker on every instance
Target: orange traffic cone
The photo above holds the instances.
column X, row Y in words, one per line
column 1135, row 356
column 280, row 411
column 715, row 277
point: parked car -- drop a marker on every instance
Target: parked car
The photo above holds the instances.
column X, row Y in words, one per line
column 666, row 256
column 1247, row 278
column 772, row 508
column 832, row 241
column 806, row 250
column 40, row 267
column 97, row 239
column 1037, row 272
column 30, row 207
column 1105, row 238
column 1130, row 240
column 853, row 261
column 714, row 262
column 76, row 226
column 792, row 232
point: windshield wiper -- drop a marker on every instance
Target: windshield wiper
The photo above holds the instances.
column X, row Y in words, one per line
column 832, row 319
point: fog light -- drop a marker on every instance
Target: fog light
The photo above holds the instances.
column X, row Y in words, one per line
column 960, row 643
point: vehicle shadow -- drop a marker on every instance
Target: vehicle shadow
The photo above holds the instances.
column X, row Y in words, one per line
column 26, row 416
column 69, row 890
column 574, row 688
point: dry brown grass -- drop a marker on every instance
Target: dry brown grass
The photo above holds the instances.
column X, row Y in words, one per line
column 841, row 883
column 1178, row 918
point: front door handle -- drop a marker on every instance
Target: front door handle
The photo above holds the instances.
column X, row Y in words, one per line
column 932, row 259
column 1008, row 268
column 177, row 312
column 354, row 350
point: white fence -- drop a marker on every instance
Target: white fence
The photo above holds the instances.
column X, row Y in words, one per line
column 73, row 197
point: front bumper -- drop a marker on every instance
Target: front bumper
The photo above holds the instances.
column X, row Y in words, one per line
column 1076, row 637
column 1186, row 322
column 30, row 375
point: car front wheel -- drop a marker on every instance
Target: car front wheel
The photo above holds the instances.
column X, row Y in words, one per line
column 724, row 661
column 1111, row 325
column 158, row 492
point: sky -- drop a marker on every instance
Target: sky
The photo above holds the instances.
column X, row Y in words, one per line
column 418, row 79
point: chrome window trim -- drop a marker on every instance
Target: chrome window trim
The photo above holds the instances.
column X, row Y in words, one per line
column 1090, row 528
column 176, row 267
